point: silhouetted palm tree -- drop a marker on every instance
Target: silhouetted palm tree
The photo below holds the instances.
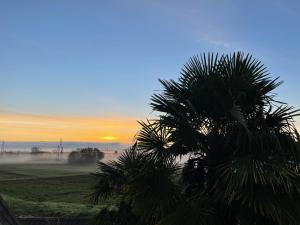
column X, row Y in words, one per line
column 239, row 146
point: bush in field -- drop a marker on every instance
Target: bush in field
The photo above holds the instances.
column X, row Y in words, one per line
column 36, row 150
column 85, row 155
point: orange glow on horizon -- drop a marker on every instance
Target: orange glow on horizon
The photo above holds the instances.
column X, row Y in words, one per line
column 28, row 127
column 109, row 138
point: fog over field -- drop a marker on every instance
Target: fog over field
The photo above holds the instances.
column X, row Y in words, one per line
column 20, row 152
column 68, row 146
column 48, row 157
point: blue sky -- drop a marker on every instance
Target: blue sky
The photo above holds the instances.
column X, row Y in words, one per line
column 103, row 58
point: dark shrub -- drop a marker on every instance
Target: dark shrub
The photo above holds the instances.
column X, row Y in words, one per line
column 85, row 155
column 122, row 216
column 36, row 150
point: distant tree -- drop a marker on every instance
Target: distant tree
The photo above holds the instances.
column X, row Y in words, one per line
column 35, row 150
column 240, row 143
column 85, row 155
column 74, row 157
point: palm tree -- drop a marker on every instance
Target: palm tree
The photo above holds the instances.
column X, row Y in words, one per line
column 238, row 144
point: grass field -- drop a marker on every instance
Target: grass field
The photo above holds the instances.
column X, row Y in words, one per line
column 49, row 189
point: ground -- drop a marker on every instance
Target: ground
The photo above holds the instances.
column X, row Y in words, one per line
column 49, row 189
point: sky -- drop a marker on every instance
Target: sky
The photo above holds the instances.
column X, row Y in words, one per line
column 85, row 70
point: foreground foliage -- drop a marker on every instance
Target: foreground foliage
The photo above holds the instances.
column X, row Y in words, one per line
column 239, row 146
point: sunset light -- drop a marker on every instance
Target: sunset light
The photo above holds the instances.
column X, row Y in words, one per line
column 109, row 138
column 30, row 127
column 150, row 112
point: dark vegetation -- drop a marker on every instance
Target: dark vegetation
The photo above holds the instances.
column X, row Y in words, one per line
column 85, row 156
column 36, row 150
column 240, row 146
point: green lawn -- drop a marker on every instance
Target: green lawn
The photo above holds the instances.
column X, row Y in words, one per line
column 14, row 171
column 49, row 189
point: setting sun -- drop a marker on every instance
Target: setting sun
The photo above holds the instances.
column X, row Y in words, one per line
column 108, row 138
